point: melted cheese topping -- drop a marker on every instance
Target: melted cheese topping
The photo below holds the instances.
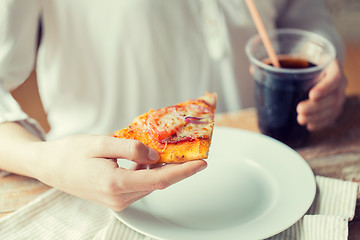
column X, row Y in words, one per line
column 178, row 123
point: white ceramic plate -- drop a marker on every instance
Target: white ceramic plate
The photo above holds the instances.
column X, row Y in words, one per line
column 254, row 187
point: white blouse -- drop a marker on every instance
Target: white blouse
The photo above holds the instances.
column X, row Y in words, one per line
column 101, row 63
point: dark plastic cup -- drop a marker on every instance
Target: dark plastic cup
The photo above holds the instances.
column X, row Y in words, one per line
column 303, row 56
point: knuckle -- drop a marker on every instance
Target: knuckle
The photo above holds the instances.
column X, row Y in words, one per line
column 69, row 141
column 112, row 186
column 112, row 197
column 301, row 119
column 101, row 143
column 304, row 117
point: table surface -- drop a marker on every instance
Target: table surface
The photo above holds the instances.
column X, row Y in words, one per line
column 334, row 152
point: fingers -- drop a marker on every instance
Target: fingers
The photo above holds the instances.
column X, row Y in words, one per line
column 161, row 177
column 332, row 80
column 318, row 120
column 127, row 186
column 319, row 125
column 320, row 113
column 110, row 147
column 325, row 101
column 310, row 106
column 167, row 175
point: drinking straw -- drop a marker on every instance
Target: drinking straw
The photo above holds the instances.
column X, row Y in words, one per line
column 263, row 34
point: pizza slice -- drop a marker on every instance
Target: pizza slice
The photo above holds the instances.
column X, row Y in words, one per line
column 180, row 133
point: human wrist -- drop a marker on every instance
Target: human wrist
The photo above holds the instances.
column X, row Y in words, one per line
column 41, row 161
column 30, row 158
column 18, row 149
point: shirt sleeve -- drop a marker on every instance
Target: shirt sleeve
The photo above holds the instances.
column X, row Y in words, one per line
column 311, row 15
column 19, row 21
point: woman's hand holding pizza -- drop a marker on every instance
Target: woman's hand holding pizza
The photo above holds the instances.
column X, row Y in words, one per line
column 86, row 166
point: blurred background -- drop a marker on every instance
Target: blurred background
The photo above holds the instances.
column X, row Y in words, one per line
column 346, row 17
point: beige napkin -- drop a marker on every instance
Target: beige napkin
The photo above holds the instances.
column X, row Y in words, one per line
column 327, row 218
column 57, row 215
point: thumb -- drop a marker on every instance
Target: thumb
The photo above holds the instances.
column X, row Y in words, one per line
column 111, row 147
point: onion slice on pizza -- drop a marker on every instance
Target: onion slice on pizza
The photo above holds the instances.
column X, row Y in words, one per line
column 179, row 133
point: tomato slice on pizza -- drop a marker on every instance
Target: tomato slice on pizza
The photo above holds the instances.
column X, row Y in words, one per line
column 179, row 133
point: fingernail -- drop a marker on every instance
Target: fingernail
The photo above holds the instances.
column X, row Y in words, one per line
column 153, row 155
column 202, row 167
